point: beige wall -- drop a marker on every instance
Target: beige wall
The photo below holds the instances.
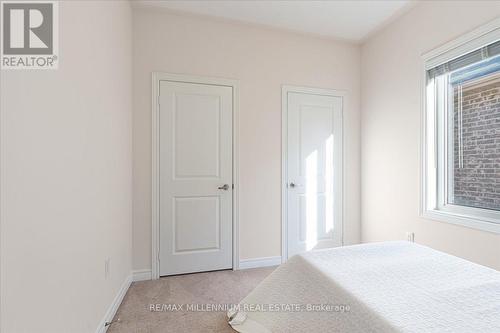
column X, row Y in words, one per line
column 66, row 176
column 262, row 59
column 391, row 72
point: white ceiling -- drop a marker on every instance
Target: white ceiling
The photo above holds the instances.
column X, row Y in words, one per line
column 351, row 20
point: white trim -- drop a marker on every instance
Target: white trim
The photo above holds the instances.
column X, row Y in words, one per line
column 236, row 173
column 432, row 205
column 313, row 91
column 155, row 217
column 141, row 275
column 260, row 262
column 155, row 177
column 284, row 174
column 285, row 89
column 108, row 317
column 464, row 44
column 461, row 220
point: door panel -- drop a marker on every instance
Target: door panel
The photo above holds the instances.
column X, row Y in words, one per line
column 195, row 161
column 189, row 233
column 200, row 114
column 314, row 172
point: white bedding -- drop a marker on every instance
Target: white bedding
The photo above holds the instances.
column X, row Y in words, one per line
column 389, row 287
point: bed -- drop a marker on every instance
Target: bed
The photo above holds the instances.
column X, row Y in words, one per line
column 377, row 287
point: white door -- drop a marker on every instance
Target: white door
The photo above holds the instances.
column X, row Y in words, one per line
column 314, row 170
column 195, row 177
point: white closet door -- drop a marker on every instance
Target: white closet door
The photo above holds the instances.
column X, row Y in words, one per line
column 195, row 177
column 314, row 172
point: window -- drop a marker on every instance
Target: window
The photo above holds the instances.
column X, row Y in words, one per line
column 474, row 143
column 461, row 141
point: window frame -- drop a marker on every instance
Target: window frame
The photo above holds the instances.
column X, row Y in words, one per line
column 434, row 136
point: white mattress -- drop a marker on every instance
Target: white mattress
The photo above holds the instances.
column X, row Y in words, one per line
column 389, row 287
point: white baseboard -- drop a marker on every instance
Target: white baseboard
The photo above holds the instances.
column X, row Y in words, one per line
column 114, row 305
column 260, row 262
column 145, row 274
column 141, row 275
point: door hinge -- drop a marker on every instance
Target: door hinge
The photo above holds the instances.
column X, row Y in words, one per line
column 158, row 99
column 233, row 186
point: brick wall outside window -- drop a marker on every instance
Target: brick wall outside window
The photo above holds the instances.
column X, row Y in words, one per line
column 476, row 182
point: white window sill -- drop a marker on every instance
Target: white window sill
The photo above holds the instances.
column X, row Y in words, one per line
column 462, row 220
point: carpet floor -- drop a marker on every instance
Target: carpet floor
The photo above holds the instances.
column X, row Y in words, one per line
column 222, row 287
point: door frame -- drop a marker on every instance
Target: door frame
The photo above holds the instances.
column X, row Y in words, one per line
column 155, row 160
column 285, row 89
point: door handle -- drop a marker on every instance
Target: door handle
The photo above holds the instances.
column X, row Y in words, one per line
column 224, row 187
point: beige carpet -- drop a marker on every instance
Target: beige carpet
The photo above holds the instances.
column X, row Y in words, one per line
column 222, row 287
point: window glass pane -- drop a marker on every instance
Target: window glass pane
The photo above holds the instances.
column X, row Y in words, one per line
column 474, row 140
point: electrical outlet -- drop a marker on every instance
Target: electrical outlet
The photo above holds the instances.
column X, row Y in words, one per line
column 410, row 236
column 106, row 268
